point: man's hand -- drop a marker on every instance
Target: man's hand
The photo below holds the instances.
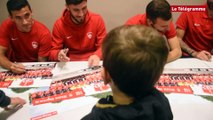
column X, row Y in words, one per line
column 93, row 60
column 17, row 68
column 62, row 55
column 203, row 55
column 16, row 103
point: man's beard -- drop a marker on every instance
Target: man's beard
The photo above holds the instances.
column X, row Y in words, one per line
column 76, row 20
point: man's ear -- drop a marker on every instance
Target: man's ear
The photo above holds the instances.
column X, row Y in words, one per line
column 67, row 7
column 106, row 76
column 11, row 17
column 149, row 22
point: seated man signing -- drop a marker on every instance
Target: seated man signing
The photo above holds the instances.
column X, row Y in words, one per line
column 195, row 30
column 133, row 60
column 22, row 38
column 158, row 16
column 78, row 34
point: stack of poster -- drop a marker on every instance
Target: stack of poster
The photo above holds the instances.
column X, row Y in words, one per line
column 36, row 75
column 188, row 81
column 87, row 82
column 75, row 85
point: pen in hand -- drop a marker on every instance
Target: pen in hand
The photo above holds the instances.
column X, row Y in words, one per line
column 17, row 68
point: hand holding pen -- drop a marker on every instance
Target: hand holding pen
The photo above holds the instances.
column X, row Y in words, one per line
column 202, row 55
column 17, row 68
column 62, row 55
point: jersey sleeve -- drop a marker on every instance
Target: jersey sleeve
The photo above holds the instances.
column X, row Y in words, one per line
column 136, row 20
column 100, row 36
column 45, row 44
column 131, row 21
column 57, row 43
column 4, row 35
column 182, row 21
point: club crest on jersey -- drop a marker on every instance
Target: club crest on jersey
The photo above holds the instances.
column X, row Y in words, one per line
column 89, row 35
column 34, row 44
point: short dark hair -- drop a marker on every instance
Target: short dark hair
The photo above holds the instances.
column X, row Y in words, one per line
column 16, row 5
column 75, row 2
column 158, row 9
column 135, row 57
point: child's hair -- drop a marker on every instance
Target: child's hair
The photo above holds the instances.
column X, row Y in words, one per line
column 135, row 57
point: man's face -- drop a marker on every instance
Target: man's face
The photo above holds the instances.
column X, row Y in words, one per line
column 78, row 12
column 23, row 19
column 161, row 25
column 210, row 4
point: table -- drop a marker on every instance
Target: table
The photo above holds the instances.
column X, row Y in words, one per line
column 184, row 107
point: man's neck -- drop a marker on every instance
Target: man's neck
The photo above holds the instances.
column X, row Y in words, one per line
column 120, row 98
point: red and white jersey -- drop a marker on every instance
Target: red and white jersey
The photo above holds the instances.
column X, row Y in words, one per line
column 82, row 40
column 26, row 47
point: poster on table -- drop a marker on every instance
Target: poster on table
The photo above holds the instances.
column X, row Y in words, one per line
column 89, row 81
column 197, row 81
column 61, row 93
column 36, row 75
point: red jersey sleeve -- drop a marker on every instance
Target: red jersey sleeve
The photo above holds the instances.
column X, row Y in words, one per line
column 100, row 36
column 182, row 21
column 57, row 42
column 135, row 20
column 45, row 46
column 4, row 34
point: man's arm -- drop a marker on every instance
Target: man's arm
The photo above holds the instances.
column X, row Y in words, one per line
column 175, row 50
column 99, row 37
column 44, row 45
column 184, row 46
column 95, row 58
column 5, row 101
column 57, row 43
column 5, row 63
column 203, row 55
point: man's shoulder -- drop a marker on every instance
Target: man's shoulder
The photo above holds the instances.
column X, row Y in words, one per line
column 190, row 15
column 39, row 24
column 137, row 19
column 7, row 23
column 138, row 16
column 40, row 28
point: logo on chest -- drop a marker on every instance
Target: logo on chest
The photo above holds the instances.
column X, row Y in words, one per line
column 35, row 44
column 14, row 38
column 68, row 37
column 89, row 35
column 196, row 24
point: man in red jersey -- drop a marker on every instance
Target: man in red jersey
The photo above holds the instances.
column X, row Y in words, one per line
column 195, row 32
column 78, row 34
column 159, row 16
column 25, row 39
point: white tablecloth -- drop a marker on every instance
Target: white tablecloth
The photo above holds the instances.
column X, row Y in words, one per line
column 184, row 107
